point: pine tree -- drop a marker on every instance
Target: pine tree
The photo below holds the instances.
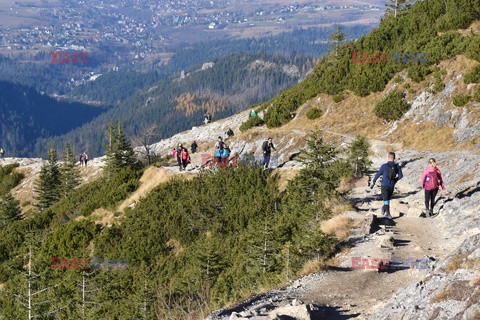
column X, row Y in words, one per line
column 69, row 172
column 47, row 187
column 119, row 151
column 9, row 209
column 397, row 7
column 358, row 156
column 336, row 37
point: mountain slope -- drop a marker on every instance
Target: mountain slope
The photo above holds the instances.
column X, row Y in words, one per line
column 26, row 116
column 222, row 87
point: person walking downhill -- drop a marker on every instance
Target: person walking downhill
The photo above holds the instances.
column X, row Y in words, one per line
column 85, row 158
column 179, row 156
column 267, row 147
column 391, row 173
column 431, row 181
column 219, row 146
column 185, row 158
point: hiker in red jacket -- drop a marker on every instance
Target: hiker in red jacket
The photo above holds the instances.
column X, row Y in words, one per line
column 185, row 158
column 431, row 181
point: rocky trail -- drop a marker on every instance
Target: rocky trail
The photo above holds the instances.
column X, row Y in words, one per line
column 415, row 247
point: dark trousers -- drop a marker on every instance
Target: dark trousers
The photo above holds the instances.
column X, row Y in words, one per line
column 387, row 193
column 430, row 199
column 179, row 161
column 266, row 160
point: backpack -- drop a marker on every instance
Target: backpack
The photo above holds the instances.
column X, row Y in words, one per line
column 431, row 181
column 266, row 147
column 392, row 172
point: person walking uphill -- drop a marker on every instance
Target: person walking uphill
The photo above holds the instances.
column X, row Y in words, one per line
column 431, row 181
column 267, row 147
column 194, row 147
column 391, row 173
column 185, row 158
column 85, row 158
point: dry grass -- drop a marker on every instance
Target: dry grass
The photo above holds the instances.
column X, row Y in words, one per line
column 104, row 217
column 313, row 266
column 475, row 27
column 338, row 226
column 455, row 263
column 2, row 286
column 285, row 176
column 175, row 245
column 443, row 295
column 151, row 178
column 424, row 136
column 472, row 263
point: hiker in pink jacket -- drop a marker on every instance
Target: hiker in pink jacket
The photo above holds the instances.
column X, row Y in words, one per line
column 431, row 181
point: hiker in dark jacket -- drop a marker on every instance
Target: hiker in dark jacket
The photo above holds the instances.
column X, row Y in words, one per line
column 391, row 173
column 219, row 146
column 194, row 147
column 82, row 159
column 267, row 147
column 229, row 133
column 179, row 156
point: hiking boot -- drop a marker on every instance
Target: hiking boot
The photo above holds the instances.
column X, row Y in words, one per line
column 430, row 213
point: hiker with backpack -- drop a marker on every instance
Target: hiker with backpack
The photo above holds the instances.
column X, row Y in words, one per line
column 178, row 153
column 194, row 147
column 267, row 147
column 81, row 159
column 85, row 158
column 185, row 158
column 431, row 182
column 391, row 173
column 219, row 146
column 225, row 155
column 229, row 132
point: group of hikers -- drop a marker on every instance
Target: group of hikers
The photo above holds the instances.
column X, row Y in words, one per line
column 221, row 155
column 83, row 159
column 391, row 173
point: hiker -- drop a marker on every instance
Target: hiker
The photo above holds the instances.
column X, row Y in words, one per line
column 81, row 159
column 253, row 114
column 2, row 152
column 225, row 154
column 85, row 158
column 391, row 173
column 267, row 150
column 194, row 147
column 229, row 132
column 174, row 152
column 185, row 158
column 219, row 146
column 208, row 118
column 431, row 181
column 178, row 153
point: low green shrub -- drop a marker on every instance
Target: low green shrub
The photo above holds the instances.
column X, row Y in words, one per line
column 251, row 122
column 461, row 99
column 314, row 113
column 392, row 107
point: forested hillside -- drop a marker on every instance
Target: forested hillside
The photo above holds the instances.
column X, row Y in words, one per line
column 189, row 246
column 224, row 87
column 26, row 115
column 429, row 27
